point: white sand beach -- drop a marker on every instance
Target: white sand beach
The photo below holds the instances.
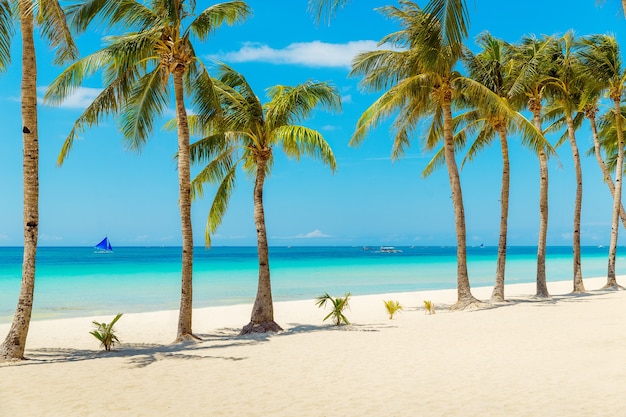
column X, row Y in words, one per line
column 559, row 357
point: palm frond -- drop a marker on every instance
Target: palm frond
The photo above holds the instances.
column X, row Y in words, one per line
column 300, row 140
column 325, row 10
column 127, row 13
column 453, row 17
column 289, row 105
column 53, row 24
column 436, row 162
column 6, row 34
column 213, row 17
column 147, row 102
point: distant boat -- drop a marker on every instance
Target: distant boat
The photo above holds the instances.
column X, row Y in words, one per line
column 389, row 249
column 104, row 246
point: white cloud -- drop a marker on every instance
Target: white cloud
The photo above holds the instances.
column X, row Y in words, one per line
column 310, row 54
column 80, row 99
column 312, row 235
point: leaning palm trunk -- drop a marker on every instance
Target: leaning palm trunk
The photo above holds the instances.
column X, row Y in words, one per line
column 498, row 289
column 542, row 287
column 464, row 293
column 15, row 343
column 262, row 318
column 590, row 113
column 579, row 287
column 184, row 183
column 617, row 197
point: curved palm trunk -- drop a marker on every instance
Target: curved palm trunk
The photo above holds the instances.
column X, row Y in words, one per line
column 15, row 343
column 497, row 294
column 591, row 115
column 184, row 184
column 611, row 281
column 464, row 293
column 542, row 287
column 579, row 287
column 262, row 318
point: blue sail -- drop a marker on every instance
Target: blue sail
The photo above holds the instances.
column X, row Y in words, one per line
column 104, row 246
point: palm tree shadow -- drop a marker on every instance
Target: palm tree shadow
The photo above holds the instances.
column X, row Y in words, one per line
column 144, row 354
column 553, row 300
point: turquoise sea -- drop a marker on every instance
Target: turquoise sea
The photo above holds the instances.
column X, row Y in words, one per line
column 75, row 281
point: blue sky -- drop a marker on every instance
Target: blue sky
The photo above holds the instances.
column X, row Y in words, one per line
column 103, row 189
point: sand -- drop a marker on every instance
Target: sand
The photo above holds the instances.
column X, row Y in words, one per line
column 561, row 357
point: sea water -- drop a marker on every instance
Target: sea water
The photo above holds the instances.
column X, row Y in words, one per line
column 75, row 281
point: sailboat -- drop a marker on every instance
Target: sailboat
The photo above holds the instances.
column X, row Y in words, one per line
column 104, row 246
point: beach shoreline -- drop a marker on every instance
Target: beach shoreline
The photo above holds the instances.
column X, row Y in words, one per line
column 524, row 357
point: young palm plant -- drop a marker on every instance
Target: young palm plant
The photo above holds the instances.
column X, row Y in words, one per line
column 49, row 16
column 140, row 68
column 247, row 135
column 105, row 333
column 393, row 307
column 422, row 83
column 338, row 305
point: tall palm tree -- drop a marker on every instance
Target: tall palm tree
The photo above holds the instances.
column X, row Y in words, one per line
column 601, row 59
column 532, row 70
column 491, row 67
column 247, row 135
column 138, row 67
column 423, row 82
column 566, row 95
column 49, row 15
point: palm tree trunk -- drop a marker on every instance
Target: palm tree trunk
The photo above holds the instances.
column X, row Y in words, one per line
column 184, row 184
column 15, row 343
column 579, row 287
column 611, row 281
column 542, row 287
column 591, row 115
column 464, row 293
column 497, row 294
column 262, row 318
column 624, row 7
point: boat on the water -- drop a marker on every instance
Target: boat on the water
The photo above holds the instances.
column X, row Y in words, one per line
column 104, row 246
column 389, row 249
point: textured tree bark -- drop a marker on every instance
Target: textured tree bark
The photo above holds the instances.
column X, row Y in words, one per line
column 542, row 287
column 262, row 317
column 14, row 345
column 464, row 293
column 184, row 184
column 579, row 286
column 497, row 295
column 611, row 281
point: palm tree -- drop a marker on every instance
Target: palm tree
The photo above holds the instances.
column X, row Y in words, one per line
column 138, row 66
column 532, row 70
column 601, row 59
column 49, row 15
column 589, row 107
column 490, row 67
column 568, row 87
column 248, row 135
column 423, row 83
